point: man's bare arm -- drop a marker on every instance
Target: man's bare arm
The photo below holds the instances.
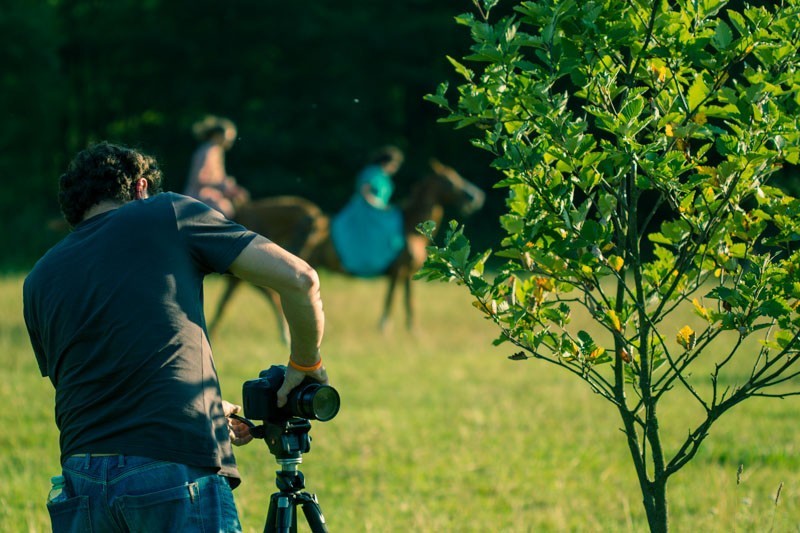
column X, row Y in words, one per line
column 266, row 264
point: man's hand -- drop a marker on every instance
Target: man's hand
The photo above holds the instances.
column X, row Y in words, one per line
column 238, row 430
column 294, row 377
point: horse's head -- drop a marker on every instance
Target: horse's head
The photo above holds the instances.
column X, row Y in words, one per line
column 455, row 190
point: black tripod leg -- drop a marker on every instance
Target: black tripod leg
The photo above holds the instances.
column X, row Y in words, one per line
column 281, row 517
column 269, row 527
column 313, row 514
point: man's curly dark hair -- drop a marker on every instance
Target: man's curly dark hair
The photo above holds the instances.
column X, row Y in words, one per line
column 104, row 171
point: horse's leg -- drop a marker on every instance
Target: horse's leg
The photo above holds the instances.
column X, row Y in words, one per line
column 275, row 301
column 387, row 303
column 231, row 284
column 409, row 304
column 416, row 247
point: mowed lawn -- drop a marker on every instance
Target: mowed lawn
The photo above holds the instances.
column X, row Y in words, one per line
column 438, row 430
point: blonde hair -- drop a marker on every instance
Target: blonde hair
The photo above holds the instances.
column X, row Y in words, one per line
column 210, row 125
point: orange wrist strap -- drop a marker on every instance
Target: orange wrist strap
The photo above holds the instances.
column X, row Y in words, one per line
column 300, row 368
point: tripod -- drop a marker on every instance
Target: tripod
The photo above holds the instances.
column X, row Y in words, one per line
column 282, row 514
column 287, row 441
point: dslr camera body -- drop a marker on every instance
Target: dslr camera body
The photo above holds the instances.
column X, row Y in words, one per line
column 310, row 400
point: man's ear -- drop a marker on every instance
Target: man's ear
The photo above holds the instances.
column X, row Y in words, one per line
column 141, row 189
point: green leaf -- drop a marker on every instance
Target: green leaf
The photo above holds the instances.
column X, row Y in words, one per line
column 722, row 36
column 785, row 338
column 461, row 69
column 658, row 238
column 738, row 21
column 427, row 228
column 592, row 232
column 738, row 250
column 586, row 340
column 633, row 108
column 731, row 296
column 697, row 93
column 439, row 98
column 676, row 231
column 775, row 308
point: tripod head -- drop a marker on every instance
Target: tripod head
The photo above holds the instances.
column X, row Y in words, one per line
column 287, row 440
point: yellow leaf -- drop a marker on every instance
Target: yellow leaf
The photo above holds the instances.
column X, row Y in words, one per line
column 538, row 295
column 710, row 171
column 670, row 131
column 659, row 71
column 686, row 337
column 573, row 348
column 597, row 352
column 615, row 262
column 702, row 311
column 614, row 319
column 700, row 118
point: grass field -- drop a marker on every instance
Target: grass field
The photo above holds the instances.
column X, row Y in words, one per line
column 438, row 431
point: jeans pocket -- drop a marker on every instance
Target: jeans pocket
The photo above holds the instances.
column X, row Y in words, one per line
column 174, row 509
column 70, row 515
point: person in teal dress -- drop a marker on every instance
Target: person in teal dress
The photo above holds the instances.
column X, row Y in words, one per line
column 368, row 232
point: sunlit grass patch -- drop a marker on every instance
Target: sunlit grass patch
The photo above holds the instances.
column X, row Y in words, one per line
column 438, row 431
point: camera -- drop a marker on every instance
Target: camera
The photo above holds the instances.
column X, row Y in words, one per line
column 310, row 400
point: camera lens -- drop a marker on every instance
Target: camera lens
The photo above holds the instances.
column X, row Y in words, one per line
column 320, row 402
column 325, row 403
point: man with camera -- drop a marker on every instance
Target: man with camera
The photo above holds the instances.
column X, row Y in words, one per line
column 115, row 316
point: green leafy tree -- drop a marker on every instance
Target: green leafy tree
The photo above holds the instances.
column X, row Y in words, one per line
column 637, row 140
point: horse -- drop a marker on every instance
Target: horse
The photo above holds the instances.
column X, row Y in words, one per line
column 302, row 228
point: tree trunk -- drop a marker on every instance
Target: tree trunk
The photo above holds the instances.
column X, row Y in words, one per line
column 655, row 505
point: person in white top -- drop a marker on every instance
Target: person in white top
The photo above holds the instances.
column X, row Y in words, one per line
column 208, row 180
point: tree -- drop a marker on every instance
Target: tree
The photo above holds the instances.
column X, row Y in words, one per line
column 620, row 125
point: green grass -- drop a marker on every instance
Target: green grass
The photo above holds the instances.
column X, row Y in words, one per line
column 438, row 431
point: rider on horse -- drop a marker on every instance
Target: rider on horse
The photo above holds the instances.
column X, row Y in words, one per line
column 368, row 232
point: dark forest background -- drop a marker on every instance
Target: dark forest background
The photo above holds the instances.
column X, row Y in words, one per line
column 313, row 87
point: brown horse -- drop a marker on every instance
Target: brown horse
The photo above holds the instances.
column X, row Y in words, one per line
column 301, row 227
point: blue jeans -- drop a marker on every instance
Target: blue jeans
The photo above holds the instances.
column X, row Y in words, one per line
column 128, row 493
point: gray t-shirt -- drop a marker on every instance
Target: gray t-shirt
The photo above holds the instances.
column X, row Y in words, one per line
column 115, row 316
